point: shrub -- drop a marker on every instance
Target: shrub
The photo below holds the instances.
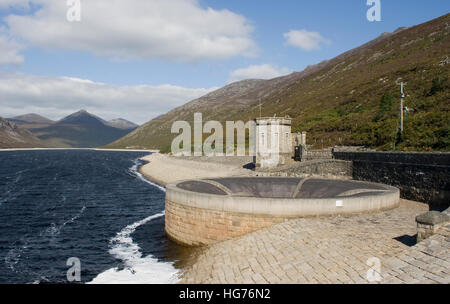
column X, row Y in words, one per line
column 438, row 85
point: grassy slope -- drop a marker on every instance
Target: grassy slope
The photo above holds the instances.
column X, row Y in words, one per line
column 352, row 100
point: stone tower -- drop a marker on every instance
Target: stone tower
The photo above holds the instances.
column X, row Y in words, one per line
column 273, row 141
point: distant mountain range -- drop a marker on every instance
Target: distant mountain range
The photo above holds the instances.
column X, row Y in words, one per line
column 78, row 130
column 352, row 99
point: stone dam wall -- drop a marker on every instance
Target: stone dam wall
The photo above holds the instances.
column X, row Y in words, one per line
column 423, row 177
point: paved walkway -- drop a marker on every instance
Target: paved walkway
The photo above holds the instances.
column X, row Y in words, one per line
column 330, row 250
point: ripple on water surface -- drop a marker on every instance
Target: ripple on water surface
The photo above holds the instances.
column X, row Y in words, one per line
column 93, row 205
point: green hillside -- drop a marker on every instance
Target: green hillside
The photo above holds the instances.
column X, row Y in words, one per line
column 352, row 99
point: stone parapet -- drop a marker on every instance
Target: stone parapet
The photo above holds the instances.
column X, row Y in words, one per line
column 423, row 177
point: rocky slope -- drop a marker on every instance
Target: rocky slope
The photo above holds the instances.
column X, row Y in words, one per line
column 13, row 136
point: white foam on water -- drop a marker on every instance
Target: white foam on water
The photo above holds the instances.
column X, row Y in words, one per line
column 55, row 229
column 138, row 269
column 14, row 255
column 77, row 216
column 134, row 170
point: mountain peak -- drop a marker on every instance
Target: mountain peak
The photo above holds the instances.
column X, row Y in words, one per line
column 82, row 112
column 82, row 116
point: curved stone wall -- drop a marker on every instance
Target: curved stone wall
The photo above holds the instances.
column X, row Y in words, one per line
column 203, row 212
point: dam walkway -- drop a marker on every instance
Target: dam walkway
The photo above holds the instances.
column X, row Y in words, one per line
column 366, row 248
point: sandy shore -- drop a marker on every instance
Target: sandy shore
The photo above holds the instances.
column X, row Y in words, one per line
column 126, row 150
column 164, row 169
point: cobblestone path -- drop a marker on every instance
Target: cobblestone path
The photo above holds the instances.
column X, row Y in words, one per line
column 330, row 250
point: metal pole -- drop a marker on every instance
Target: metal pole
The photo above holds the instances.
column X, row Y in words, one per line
column 401, row 116
column 401, row 108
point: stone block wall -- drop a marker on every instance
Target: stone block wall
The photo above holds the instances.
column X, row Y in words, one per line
column 317, row 154
column 196, row 226
column 423, row 177
column 307, row 155
column 424, row 231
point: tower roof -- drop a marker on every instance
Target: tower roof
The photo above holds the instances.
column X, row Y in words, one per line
column 274, row 120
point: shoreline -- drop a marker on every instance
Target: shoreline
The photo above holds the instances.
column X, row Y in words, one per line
column 92, row 149
column 151, row 178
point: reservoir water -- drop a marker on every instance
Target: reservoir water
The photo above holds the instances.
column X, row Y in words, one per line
column 93, row 206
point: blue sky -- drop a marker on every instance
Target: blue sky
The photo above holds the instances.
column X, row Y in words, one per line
column 136, row 54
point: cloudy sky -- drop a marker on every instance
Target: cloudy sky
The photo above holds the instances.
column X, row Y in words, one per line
column 137, row 59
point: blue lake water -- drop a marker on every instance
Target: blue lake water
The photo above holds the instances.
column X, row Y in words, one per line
column 91, row 205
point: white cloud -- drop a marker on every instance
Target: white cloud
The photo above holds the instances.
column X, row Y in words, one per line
column 305, row 40
column 14, row 3
column 175, row 30
column 263, row 71
column 10, row 51
column 55, row 97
